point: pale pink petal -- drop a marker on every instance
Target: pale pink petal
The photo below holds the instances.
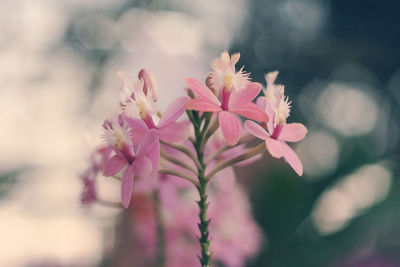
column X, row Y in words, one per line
column 127, row 186
column 261, row 102
column 202, row 90
column 138, row 129
column 230, row 127
column 147, row 142
column 154, row 156
column 270, row 77
column 114, row 165
column 293, row 132
column 256, row 129
column 292, row 159
column 142, row 166
column 226, row 180
column 174, row 132
column 270, row 111
column 150, row 83
column 202, row 104
column 173, row 111
column 246, row 95
column 274, row 147
column 250, row 111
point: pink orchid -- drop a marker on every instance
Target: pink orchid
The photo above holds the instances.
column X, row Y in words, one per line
column 136, row 160
column 89, row 177
column 231, row 103
column 225, row 75
column 277, row 132
column 89, row 193
column 167, row 129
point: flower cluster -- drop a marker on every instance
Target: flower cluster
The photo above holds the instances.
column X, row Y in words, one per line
column 167, row 159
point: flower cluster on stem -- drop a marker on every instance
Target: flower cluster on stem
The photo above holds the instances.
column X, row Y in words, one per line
column 149, row 151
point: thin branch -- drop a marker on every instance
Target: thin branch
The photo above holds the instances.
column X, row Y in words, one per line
column 179, row 174
column 209, row 133
column 116, row 177
column 173, row 160
column 216, row 153
column 249, row 154
column 109, row 203
column 184, row 150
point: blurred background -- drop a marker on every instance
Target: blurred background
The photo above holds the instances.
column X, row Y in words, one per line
column 339, row 60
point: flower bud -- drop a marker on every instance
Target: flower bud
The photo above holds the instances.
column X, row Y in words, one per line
column 150, row 83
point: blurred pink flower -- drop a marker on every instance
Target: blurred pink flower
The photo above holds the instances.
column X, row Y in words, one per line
column 136, row 160
column 89, row 177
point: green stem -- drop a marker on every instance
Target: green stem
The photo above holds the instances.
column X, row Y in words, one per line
column 204, row 239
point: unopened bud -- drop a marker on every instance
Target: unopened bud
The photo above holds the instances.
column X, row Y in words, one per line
column 150, row 83
column 190, row 93
column 210, row 85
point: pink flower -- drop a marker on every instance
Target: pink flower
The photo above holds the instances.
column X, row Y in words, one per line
column 231, row 103
column 167, row 129
column 89, row 177
column 277, row 132
column 135, row 160
column 235, row 235
column 150, row 83
column 89, row 194
column 225, row 75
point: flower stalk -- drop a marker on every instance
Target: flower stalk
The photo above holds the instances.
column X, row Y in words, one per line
column 204, row 239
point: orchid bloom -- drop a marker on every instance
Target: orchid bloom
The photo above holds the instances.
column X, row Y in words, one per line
column 225, row 75
column 167, row 128
column 239, row 103
column 139, row 98
column 277, row 132
column 89, row 193
column 89, row 177
column 135, row 160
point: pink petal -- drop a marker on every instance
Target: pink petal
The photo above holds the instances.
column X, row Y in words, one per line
column 127, row 186
column 138, row 129
column 202, row 104
column 202, row 90
column 261, row 102
column 256, row 129
column 142, row 166
column 292, row 159
column 246, row 95
column 150, row 83
column 154, row 156
column 293, row 132
column 114, row 165
column 250, row 111
column 226, row 180
column 174, row 132
column 270, row 111
column 274, row 147
column 230, row 127
column 147, row 142
column 173, row 111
